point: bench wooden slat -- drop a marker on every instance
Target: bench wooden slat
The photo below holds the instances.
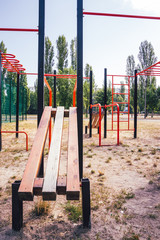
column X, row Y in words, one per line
column 66, row 112
column 34, row 161
column 51, row 175
column 37, row 186
column 73, row 184
column 61, row 185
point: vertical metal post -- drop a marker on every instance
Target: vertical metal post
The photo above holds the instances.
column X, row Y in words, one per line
column 135, row 105
column 105, row 102
column 17, row 207
column 41, row 59
column 17, row 106
column 90, row 109
column 54, row 89
column 41, row 69
column 0, row 101
column 80, row 82
column 10, row 100
column 86, row 208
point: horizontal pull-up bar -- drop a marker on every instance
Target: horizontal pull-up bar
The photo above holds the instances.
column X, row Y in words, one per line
column 120, row 15
column 19, row 29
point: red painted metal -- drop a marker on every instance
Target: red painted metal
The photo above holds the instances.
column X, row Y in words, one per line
column 10, row 63
column 99, row 106
column 18, row 132
column 74, row 94
column 19, row 29
column 105, row 106
column 118, row 129
column 55, row 75
column 121, row 15
column 151, row 71
column 128, row 93
column 50, row 104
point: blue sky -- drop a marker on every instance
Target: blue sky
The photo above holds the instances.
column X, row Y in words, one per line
column 107, row 41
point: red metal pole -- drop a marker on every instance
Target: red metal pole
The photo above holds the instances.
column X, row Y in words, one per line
column 99, row 125
column 128, row 100
column 117, row 124
column 50, row 104
column 19, row 132
column 74, row 94
column 112, row 101
column 19, row 29
column 120, row 15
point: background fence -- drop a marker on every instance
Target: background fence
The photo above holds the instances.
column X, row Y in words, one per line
column 9, row 98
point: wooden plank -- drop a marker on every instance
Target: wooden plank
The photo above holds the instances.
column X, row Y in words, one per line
column 61, row 185
column 95, row 120
column 73, row 184
column 66, row 112
column 97, row 124
column 37, row 186
column 34, row 161
column 50, row 179
column 93, row 116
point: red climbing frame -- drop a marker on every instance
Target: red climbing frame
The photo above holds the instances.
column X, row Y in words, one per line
column 100, row 108
column 127, row 103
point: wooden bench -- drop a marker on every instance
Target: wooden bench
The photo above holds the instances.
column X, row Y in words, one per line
column 52, row 184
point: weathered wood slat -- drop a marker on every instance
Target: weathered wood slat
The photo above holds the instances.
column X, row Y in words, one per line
column 34, row 161
column 95, row 120
column 61, row 185
column 97, row 123
column 66, row 112
column 37, row 186
column 73, row 184
column 51, row 175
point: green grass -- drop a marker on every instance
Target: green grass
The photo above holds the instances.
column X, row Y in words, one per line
column 74, row 212
column 41, row 208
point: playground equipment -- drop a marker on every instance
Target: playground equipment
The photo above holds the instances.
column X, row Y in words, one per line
column 52, row 184
column 94, row 117
column 18, row 132
column 100, row 119
column 42, row 130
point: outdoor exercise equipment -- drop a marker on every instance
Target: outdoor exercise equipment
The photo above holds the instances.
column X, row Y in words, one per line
column 52, row 184
column 100, row 119
column 9, row 62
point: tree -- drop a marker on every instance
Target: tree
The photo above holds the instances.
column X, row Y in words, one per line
column 62, row 53
column 130, row 68
column 73, row 49
column 65, row 88
column 49, row 63
column 86, row 87
column 152, row 99
column 147, row 58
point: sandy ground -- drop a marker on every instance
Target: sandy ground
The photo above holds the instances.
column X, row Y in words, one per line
column 125, row 187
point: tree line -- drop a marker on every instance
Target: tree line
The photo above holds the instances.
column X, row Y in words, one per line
column 64, row 87
column 148, row 99
column 148, row 93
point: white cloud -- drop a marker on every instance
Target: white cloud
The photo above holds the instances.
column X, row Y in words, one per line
column 150, row 6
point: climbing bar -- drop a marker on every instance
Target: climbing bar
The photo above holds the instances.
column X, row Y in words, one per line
column 120, row 15
column 74, row 94
column 19, row 132
column 19, row 29
column 50, row 104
